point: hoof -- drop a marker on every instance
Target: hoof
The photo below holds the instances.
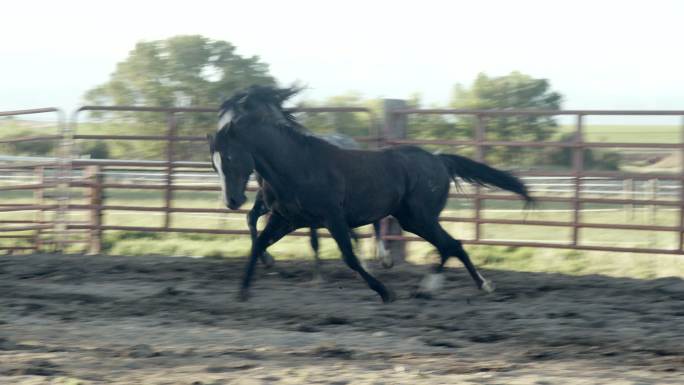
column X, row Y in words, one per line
column 389, row 296
column 268, row 260
column 421, row 294
column 387, row 264
column 317, row 281
column 243, row 295
column 488, row 286
column 432, row 283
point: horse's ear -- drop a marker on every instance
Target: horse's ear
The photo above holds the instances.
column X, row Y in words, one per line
column 210, row 140
column 286, row 93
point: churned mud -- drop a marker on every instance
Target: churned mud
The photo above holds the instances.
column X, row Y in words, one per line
column 160, row 320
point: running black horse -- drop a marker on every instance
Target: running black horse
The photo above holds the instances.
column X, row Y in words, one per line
column 260, row 208
column 308, row 182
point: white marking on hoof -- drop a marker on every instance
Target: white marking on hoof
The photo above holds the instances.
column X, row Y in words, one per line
column 488, row 286
column 382, row 255
column 432, row 282
column 365, row 266
column 317, row 280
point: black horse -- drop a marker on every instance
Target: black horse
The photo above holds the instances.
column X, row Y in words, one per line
column 260, row 208
column 311, row 183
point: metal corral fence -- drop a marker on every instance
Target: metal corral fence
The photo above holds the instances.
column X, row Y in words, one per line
column 577, row 174
column 70, row 195
column 38, row 219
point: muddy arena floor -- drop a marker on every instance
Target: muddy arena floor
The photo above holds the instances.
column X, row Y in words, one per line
column 159, row 320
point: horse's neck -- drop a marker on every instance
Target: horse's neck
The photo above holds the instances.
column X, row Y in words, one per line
column 279, row 161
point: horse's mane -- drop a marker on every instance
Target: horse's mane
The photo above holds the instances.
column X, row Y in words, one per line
column 266, row 103
column 257, row 96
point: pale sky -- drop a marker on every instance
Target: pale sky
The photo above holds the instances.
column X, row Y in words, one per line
column 599, row 54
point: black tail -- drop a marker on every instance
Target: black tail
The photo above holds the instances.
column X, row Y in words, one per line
column 479, row 173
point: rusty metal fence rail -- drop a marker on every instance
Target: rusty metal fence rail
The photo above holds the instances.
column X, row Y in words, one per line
column 37, row 224
column 97, row 186
column 69, row 174
column 577, row 172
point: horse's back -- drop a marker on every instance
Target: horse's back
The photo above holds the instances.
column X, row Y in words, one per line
column 428, row 179
column 379, row 182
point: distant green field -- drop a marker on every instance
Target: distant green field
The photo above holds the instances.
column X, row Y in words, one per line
column 629, row 133
column 636, row 133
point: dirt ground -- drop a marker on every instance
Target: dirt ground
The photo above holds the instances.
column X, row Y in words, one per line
column 159, row 320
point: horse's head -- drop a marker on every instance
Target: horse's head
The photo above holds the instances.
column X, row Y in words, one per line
column 234, row 164
column 245, row 120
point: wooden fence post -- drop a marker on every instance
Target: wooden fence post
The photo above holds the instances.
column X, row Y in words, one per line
column 96, row 199
column 170, row 144
column 394, row 128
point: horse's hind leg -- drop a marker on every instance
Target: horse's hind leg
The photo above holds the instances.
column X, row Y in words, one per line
column 355, row 237
column 313, row 238
column 447, row 246
column 381, row 252
column 340, row 232
column 456, row 249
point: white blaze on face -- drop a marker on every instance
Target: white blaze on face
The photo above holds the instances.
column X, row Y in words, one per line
column 225, row 119
column 216, row 157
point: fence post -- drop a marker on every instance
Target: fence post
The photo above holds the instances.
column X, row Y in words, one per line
column 577, row 171
column 480, row 157
column 95, row 201
column 654, row 210
column 680, row 238
column 39, row 198
column 168, row 192
column 394, row 128
column 628, row 187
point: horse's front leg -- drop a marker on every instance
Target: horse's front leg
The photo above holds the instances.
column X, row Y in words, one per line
column 258, row 210
column 339, row 230
column 276, row 228
column 313, row 238
column 381, row 252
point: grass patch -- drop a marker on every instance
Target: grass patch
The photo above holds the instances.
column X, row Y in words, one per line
column 646, row 133
column 573, row 262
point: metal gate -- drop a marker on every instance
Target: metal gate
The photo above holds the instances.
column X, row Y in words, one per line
column 70, row 196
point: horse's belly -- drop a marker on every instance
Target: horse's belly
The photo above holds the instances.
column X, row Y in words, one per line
column 296, row 214
column 362, row 209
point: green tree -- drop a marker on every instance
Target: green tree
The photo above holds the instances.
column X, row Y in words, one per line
column 181, row 71
column 31, row 148
column 354, row 124
column 513, row 91
column 434, row 126
column 593, row 159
